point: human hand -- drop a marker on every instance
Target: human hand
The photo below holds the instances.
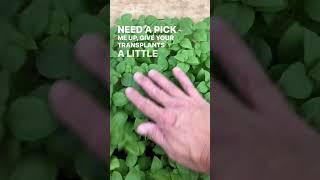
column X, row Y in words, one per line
column 180, row 118
column 78, row 110
column 256, row 136
column 82, row 114
column 255, row 133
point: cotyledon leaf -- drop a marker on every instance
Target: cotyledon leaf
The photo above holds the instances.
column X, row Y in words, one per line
column 241, row 17
column 311, row 110
column 55, row 58
column 116, row 176
column 34, row 19
column 295, row 83
column 85, row 23
column 262, row 51
column 13, row 58
column 311, row 44
column 88, row 167
column 30, row 119
column 291, row 41
column 71, row 7
column 35, row 168
column 119, row 99
column 314, row 72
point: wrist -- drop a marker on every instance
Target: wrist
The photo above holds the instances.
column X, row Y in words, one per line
column 204, row 161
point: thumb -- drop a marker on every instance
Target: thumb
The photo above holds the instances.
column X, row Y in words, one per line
column 152, row 131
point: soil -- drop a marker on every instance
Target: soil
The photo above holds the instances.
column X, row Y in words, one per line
column 197, row 10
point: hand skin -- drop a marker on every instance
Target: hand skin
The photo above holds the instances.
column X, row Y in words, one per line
column 255, row 137
column 180, row 123
column 75, row 108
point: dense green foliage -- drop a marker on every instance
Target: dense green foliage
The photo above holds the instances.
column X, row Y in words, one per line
column 37, row 38
column 134, row 157
column 36, row 49
column 284, row 35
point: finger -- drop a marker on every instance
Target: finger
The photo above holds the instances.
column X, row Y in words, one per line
column 145, row 105
column 231, row 118
column 229, row 127
column 91, row 52
column 152, row 131
column 165, row 84
column 185, row 82
column 241, row 67
column 78, row 111
column 152, row 90
column 224, row 100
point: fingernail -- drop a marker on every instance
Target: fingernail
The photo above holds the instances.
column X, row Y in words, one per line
column 142, row 130
column 137, row 76
column 128, row 90
column 60, row 90
column 152, row 72
column 176, row 69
